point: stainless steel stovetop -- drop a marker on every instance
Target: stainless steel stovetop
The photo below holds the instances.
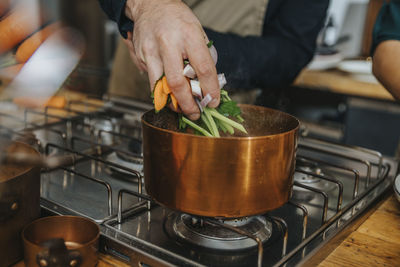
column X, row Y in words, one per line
column 333, row 185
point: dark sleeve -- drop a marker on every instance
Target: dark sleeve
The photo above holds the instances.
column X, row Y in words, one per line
column 115, row 11
column 287, row 45
column 387, row 25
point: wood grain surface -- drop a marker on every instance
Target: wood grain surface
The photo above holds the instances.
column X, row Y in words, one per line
column 375, row 243
column 340, row 82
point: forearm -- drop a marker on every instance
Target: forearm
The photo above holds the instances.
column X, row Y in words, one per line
column 386, row 66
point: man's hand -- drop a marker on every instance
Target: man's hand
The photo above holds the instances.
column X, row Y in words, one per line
column 165, row 33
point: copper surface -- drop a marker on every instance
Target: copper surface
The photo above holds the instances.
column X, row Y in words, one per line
column 20, row 189
column 78, row 233
column 9, row 171
column 221, row 177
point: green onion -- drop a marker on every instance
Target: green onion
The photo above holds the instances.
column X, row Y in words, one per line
column 196, row 127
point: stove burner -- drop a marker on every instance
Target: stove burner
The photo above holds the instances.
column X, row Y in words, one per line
column 199, row 232
column 134, row 147
column 102, row 124
column 300, row 193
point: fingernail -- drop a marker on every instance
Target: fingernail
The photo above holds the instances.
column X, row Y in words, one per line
column 194, row 116
column 214, row 103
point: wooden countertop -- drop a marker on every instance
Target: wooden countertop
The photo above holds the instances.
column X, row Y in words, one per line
column 340, row 82
column 376, row 242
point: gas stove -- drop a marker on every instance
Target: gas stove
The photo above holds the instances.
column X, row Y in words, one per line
column 103, row 180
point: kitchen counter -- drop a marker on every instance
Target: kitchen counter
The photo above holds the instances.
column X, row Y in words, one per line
column 376, row 242
column 340, row 82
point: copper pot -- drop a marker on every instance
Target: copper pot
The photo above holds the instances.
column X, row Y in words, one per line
column 19, row 200
column 61, row 241
column 221, row 177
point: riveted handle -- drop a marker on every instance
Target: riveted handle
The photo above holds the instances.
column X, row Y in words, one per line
column 56, row 254
column 9, row 206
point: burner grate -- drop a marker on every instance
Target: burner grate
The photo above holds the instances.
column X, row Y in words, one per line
column 133, row 225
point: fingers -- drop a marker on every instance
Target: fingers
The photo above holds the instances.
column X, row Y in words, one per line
column 173, row 69
column 128, row 42
column 203, row 64
column 154, row 68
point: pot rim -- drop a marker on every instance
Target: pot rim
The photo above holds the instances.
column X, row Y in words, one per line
column 28, row 169
column 81, row 245
column 235, row 138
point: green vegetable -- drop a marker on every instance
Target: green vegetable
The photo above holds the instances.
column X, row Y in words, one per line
column 195, row 126
column 213, row 119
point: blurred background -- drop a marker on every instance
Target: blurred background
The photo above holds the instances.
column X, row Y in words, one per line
column 336, row 96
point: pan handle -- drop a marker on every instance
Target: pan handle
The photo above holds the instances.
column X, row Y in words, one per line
column 8, row 207
column 56, row 254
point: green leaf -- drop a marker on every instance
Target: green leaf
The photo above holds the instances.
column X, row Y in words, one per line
column 229, row 109
column 210, row 43
column 224, row 96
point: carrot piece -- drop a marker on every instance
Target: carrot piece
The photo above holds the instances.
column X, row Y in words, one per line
column 174, row 101
column 56, row 102
column 29, row 46
column 160, row 98
column 40, row 102
column 166, row 88
column 21, row 22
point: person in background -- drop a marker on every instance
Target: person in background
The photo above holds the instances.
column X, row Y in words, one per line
column 260, row 43
column 386, row 47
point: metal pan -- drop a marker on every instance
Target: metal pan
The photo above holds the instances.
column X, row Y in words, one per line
column 69, row 241
column 19, row 201
column 221, row 177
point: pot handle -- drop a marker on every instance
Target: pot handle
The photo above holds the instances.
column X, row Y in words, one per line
column 56, row 254
column 8, row 207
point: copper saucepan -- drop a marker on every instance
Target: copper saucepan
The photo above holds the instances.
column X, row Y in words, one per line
column 221, row 177
column 19, row 200
column 69, row 241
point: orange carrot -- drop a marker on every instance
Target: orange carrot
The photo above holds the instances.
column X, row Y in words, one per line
column 29, row 46
column 57, row 102
column 174, row 101
column 160, row 98
column 40, row 102
column 21, row 22
column 166, row 88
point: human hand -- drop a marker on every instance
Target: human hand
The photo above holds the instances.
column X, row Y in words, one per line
column 165, row 33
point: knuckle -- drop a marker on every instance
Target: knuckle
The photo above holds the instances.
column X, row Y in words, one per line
column 148, row 50
column 176, row 81
column 164, row 39
column 204, row 69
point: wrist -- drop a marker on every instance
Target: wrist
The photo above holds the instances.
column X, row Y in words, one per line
column 132, row 8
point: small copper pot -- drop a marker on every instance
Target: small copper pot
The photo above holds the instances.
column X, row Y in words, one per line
column 221, row 177
column 61, row 241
